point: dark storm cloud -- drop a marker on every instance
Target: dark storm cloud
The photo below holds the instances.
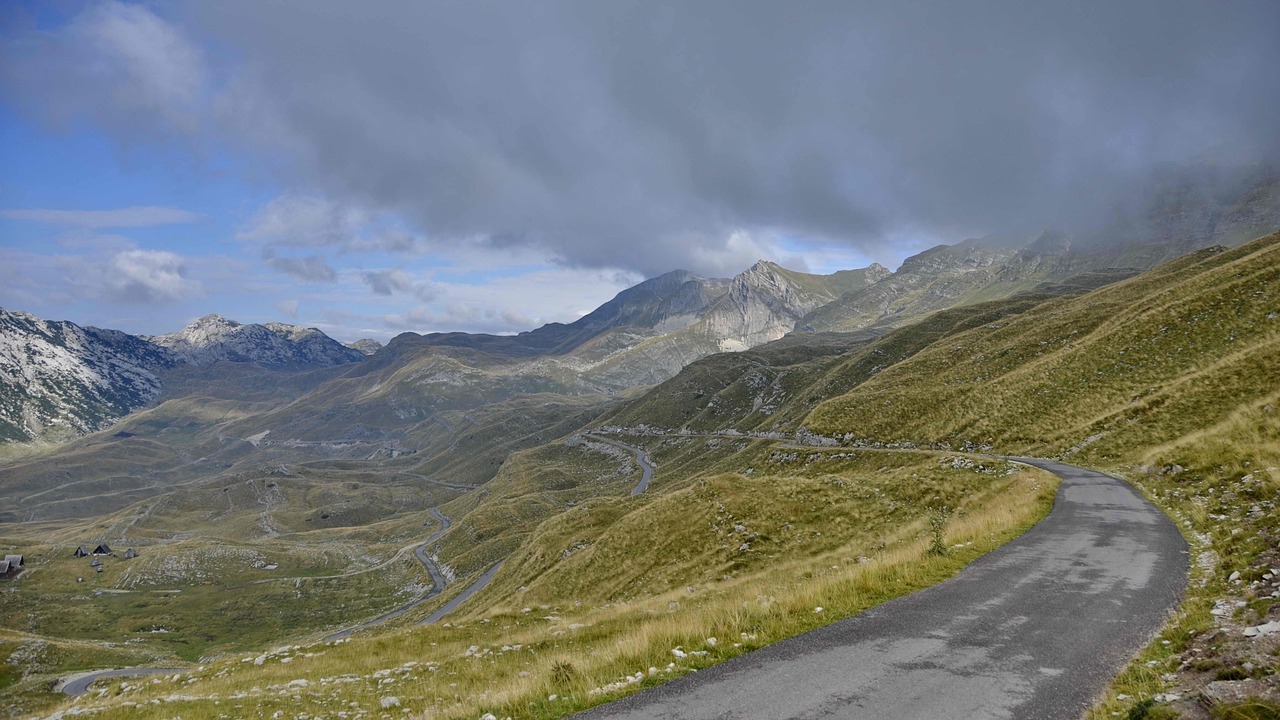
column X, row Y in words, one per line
column 647, row 136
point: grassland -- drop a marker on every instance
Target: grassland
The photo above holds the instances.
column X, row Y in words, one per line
column 566, row 621
column 1168, row 379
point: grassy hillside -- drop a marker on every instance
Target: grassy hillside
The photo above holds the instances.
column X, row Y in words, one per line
column 1168, row 379
column 713, row 566
column 1144, row 361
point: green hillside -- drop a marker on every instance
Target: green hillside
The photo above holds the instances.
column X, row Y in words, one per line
column 1167, row 378
column 1170, row 379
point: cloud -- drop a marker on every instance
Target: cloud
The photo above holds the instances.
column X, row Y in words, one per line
column 118, row 65
column 288, row 307
column 397, row 281
column 313, row 221
column 499, row 321
column 647, row 148
column 130, row 217
column 147, row 276
column 645, row 136
column 312, row 268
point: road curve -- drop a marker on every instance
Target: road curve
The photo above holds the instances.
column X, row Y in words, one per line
column 642, row 459
column 438, row 581
column 463, row 596
column 79, row 684
column 1034, row 629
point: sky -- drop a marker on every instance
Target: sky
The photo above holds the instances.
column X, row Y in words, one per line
column 375, row 168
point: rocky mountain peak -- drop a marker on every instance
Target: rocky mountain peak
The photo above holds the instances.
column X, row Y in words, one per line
column 213, row 338
column 59, row 380
column 368, row 346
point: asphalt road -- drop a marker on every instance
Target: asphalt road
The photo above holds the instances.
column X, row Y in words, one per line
column 79, row 684
column 1035, row 629
column 438, row 581
column 642, row 459
column 463, row 596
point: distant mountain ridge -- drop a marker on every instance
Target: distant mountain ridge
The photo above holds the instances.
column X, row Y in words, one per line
column 213, row 338
column 59, row 380
column 650, row 332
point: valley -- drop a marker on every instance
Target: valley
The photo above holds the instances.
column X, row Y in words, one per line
column 296, row 526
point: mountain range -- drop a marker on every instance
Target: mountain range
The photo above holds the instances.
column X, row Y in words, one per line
column 276, row 482
column 60, row 381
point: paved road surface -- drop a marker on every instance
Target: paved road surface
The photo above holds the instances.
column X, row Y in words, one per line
column 438, row 581
column 642, row 458
column 79, row 684
column 463, row 596
column 1035, row 629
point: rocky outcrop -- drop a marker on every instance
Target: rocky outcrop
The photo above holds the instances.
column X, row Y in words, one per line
column 765, row 301
column 59, row 380
column 367, row 346
column 214, row 338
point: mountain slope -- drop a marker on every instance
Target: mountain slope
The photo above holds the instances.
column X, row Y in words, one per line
column 213, row 338
column 1114, row 364
column 765, row 301
column 59, row 380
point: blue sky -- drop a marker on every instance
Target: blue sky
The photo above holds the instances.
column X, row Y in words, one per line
column 115, row 230
column 491, row 167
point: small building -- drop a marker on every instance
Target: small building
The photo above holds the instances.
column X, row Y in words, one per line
column 81, row 552
column 103, row 549
column 11, row 565
column 130, row 554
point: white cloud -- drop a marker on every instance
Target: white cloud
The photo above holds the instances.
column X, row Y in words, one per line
column 119, row 64
column 148, row 276
column 740, row 250
column 312, row 221
column 288, row 307
column 129, row 217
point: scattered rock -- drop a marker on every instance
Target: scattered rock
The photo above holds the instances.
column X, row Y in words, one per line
column 392, row 701
column 1263, row 630
column 1230, row 692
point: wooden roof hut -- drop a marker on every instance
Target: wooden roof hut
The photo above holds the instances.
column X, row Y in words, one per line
column 130, row 553
column 81, row 552
column 103, row 549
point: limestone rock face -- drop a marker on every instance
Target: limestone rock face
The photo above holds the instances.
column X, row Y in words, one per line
column 765, row 301
column 213, row 338
column 368, row 346
column 59, row 380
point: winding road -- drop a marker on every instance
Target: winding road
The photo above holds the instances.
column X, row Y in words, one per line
column 79, row 684
column 462, row 597
column 1034, row 629
column 438, row 581
column 642, row 459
